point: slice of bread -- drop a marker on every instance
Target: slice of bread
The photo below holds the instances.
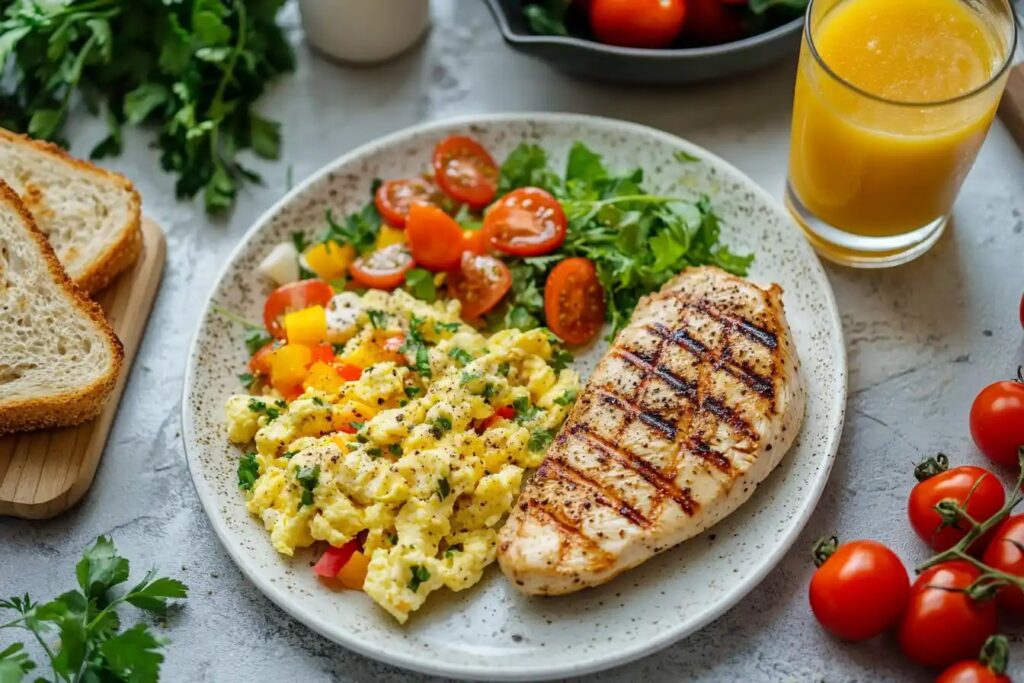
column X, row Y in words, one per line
column 59, row 358
column 90, row 215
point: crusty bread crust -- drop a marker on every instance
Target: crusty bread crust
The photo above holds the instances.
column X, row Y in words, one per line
column 80, row 404
column 120, row 253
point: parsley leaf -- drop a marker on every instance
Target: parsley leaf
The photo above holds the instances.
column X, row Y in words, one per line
column 525, row 411
column 247, row 379
column 358, row 229
column 378, row 319
column 460, row 355
column 420, row 283
column 412, row 392
column 272, row 411
column 248, row 471
column 450, row 551
column 256, row 339
column 420, row 575
column 395, row 449
column 440, row 426
column 446, row 327
column 416, row 346
column 444, row 489
column 308, row 477
column 541, row 439
column 567, row 397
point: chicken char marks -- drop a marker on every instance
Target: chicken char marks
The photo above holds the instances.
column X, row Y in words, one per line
column 695, row 403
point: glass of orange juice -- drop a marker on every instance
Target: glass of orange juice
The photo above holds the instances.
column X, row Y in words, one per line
column 893, row 99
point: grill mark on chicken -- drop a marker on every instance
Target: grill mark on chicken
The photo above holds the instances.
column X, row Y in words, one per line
column 558, row 467
column 649, row 472
column 568, row 528
column 728, row 415
column 702, row 450
column 763, row 386
column 678, row 384
column 648, row 417
column 749, row 330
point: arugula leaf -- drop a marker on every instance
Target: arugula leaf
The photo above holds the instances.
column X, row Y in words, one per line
column 527, row 166
column 248, row 471
column 420, row 283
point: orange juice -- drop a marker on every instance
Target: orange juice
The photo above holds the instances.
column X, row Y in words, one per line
column 893, row 100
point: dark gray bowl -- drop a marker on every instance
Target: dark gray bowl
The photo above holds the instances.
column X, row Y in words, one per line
column 590, row 59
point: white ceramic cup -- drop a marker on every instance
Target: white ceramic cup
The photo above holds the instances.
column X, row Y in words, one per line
column 364, row 31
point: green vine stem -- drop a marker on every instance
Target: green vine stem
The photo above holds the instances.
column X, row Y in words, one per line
column 995, row 654
column 991, row 579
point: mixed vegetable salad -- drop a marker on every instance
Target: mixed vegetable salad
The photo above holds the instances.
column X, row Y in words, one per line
column 519, row 245
column 659, row 23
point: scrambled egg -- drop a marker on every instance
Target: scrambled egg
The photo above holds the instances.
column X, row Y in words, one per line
column 412, row 452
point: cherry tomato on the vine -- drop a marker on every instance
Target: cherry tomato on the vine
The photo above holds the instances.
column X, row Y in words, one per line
column 384, row 268
column 293, row 296
column 394, row 198
column 989, row 667
column 465, row 171
column 1005, row 552
column 574, row 305
column 637, row 23
column 997, row 420
column 943, row 624
column 526, row 222
column 975, row 489
column 860, row 590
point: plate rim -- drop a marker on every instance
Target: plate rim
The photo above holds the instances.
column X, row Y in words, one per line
column 592, row 664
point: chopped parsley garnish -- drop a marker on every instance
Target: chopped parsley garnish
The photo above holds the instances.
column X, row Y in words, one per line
column 307, row 478
column 684, row 157
column 248, row 471
column 395, row 449
column 503, row 369
column 256, row 338
column 317, row 400
column 246, row 378
column 356, row 425
column 374, row 452
column 378, row 319
column 300, row 242
column 271, row 411
column 288, row 455
column 460, row 355
column 440, row 426
column 416, row 345
column 541, row 439
column 489, row 391
column 468, row 377
column 444, row 489
column 525, row 412
column 419, row 575
column 567, row 397
column 560, row 359
column 412, row 392
column 452, row 549
column 393, row 539
column 338, row 349
column 446, row 327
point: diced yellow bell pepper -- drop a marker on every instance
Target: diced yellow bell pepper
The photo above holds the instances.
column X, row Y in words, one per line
column 388, row 236
column 323, row 377
column 330, row 260
column 288, row 366
column 353, row 573
column 308, row 326
column 351, row 411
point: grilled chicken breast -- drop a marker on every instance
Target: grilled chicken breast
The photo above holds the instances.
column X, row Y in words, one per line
column 695, row 403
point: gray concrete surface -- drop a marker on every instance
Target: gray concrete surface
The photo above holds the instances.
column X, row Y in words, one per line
column 922, row 339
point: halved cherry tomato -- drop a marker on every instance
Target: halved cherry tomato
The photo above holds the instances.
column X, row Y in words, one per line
column 350, row 373
column 394, row 198
column 293, row 296
column 259, row 364
column 526, row 222
column 384, row 268
column 465, row 171
column 574, row 300
column 997, row 420
column 942, row 624
column 479, row 283
column 475, row 242
column 982, row 491
column 1006, row 553
column 333, row 559
column 860, row 590
column 637, row 23
column 435, row 239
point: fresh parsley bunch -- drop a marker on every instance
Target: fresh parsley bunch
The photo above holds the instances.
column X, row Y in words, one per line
column 638, row 241
column 80, row 630
column 192, row 68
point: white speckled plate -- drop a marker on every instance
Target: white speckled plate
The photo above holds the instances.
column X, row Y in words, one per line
column 490, row 631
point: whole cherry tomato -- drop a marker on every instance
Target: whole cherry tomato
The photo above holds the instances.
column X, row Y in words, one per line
column 711, row 22
column 942, row 624
column 637, row 23
column 526, row 222
column 293, row 296
column 465, row 171
column 384, row 268
column 1006, row 553
column 860, row 589
column 975, row 489
column 989, row 667
column 997, row 420
column 574, row 305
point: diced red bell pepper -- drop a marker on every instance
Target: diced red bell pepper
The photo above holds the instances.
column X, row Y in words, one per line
column 333, row 559
column 350, row 373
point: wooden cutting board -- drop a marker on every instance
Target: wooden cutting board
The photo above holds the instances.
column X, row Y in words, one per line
column 45, row 472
